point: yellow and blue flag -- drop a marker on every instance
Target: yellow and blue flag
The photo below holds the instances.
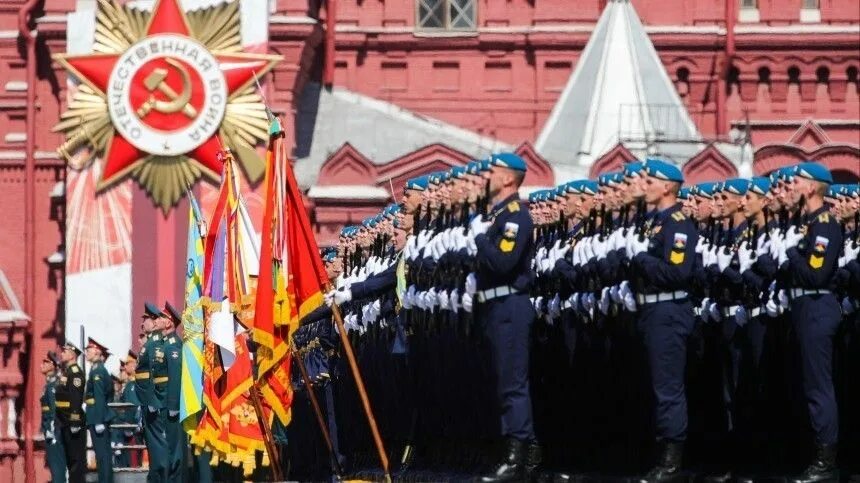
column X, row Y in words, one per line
column 190, row 402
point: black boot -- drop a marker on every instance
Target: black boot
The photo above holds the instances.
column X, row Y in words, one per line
column 534, row 457
column 823, row 468
column 512, row 467
column 668, row 468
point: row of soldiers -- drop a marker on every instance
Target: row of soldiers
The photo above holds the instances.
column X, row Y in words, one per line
column 74, row 404
column 553, row 324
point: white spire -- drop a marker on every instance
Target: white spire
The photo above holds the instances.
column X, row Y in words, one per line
column 619, row 92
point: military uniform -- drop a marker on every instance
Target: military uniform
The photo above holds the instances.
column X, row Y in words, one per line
column 174, row 435
column 150, row 380
column 55, row 457
column 99, row 392
column 70, row 416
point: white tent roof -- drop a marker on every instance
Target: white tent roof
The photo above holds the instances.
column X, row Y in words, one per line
column 619, row 92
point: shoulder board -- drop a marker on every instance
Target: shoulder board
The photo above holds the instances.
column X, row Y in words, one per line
column 824, row 217
column 678, row 216
column 513, row 206
column 75, row 369
column 156, row 337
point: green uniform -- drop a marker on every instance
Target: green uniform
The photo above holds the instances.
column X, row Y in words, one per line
column 55, row 457
column 176, row 444
column 69, row 398
column 151, row 389
column 99, row 416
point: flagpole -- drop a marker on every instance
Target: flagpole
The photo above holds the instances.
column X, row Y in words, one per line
column 274, row 460
column 362, row 392
column 317, row 410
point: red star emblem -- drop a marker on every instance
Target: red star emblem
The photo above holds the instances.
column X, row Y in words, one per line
column 166, row 93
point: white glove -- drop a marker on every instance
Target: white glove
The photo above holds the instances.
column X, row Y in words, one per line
column 536, row 303
column 587, row 302
column 49, row 437
column 701, row 245
column 615, row 293
column 850, row 252
column 745, row 258
column 638, row 247
column 173, row 413
column 410, row 295
column 762, row 246
column 444, row 300
column 703, row 309
column 467, row 302
column 588, row 250
column 577, row 254
column 100, row 428
column 420, row 300
column 782, row 297
column 603, row 303
column 478, row 225
column 847, row 306
column 75, row 429
column 724, row 259
column 792, row 237
column 151, row 409
column 423, row 238
column 471, row 248
column 453, row 301
column 616, row 240
column 409, row 250
column 709, row 257
column 436, row 248
column 554, row 307
column 741, row 317
column 542, row 253
column 600, row 248
column 776, row 246
column 471, row 283
column 432, row 299
column 627, row 297
column 329, row 297
column 342, row 296
column 772, row 308
column 714, row 312
column 782, row 258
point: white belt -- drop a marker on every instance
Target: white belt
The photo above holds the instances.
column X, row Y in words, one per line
column 800, row 292
column 496, row 292
column 653, row 298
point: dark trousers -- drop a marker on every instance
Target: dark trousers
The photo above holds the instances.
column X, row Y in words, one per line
column 55, row 460
column 156, row 446
column 508, row 322
column 665, row 328
column 104, row 456
column 815, row 319
column 176, row 446
column 75, row 446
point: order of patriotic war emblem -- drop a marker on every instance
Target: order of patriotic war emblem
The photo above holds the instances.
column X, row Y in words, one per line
column 167, row 94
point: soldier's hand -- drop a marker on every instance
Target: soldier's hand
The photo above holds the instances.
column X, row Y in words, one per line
column 471, row 283
column 639, row 246
column 100, row 428
column 724, row 258
column 478, row 225
column 792, row 237
column 467, row 302
column 342, row 296
column 75, row 429
column 745, row 258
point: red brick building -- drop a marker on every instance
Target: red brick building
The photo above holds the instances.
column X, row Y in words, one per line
column 412, row 86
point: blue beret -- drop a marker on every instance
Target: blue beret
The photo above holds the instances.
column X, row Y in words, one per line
column 851, row 190
column 833, row 190
column 457, row 172
column 589, row 187
column 760, row 185
column 610, row 179
column 786, row 173
column 633, row 169
column 533, row 196
column 736, row 186
column 368, row 222
column 560, row 190
column 151, row 310
column 705, row 189
column 574, row 187
column 508, row 160
column 814, row 171
column 549, row 195
column 684, row 192
column 417, row 184
column 473, row 167
column 329, row 256
column 657, row 168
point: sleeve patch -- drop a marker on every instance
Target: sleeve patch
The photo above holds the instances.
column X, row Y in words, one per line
column 676, row 256
column 511, row 230
column 824, row 217
column 513, row 207
column 506, row 246
column 821, row 244
column 680, row 242
column 77, row 382
column 816, row 261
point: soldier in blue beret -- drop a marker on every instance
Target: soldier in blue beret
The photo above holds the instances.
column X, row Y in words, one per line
column 504, row 251
column 665, row 256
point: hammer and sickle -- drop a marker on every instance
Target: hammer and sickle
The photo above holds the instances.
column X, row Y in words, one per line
column 155, row 81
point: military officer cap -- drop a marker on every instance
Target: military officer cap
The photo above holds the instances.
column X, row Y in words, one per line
column 151, row 311
column 632, row 169
column 171, row 313
column 760, row 185
column 814, row 171
column 657, row 168
column 71, row 347
column 684, row 192
column 94, row 343
column 508, row 160
column 51, row 357
column 736, row 186
column 417, row 184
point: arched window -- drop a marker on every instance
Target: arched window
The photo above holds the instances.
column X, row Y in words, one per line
column 733, row 80
column 822, row 75
column 763, row 75
column 793, row 75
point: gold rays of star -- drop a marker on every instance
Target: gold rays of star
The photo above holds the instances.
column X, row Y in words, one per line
column 88, row 128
